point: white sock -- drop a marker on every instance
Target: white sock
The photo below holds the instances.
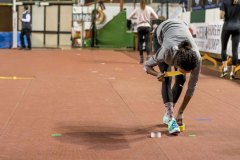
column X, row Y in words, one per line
column 225, row 69
column 169, row 110
column 232, row 70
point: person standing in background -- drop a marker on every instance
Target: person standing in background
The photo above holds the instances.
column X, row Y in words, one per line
column 143, row 14
column 26, row 29
column 230, row 12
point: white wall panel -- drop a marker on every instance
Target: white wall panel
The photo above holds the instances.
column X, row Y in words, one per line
column 65, row 40
column 186, row 17
column 37, row 39
column 38, row 18
column 51, row 40
column 66, row 18
column 212, row 15
column 51, row 18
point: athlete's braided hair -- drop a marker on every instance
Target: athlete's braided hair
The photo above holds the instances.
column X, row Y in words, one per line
column 186, row 58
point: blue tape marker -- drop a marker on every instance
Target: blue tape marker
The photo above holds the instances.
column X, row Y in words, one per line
column 202, row 119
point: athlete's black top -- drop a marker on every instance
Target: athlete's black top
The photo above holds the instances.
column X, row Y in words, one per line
column 232, row 14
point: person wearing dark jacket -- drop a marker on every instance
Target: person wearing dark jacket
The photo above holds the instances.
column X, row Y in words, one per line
column 230, row 12
column 26, row 29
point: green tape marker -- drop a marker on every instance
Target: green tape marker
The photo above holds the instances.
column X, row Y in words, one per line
column 56, row 135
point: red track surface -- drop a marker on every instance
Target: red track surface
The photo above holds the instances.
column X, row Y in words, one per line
column 105, row 106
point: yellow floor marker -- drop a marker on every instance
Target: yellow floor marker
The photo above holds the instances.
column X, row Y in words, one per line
column 16, row 78
column 173, row 73
column 182, row 127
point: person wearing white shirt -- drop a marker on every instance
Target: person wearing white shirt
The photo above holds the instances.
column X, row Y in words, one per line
column 143, row 14
column 26, row 29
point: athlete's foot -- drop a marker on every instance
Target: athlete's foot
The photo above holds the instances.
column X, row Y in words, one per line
column 165, row 119
column 173, row 127
column 232, row 76
column 21, row 48
column 28, row 49
column 224, row 72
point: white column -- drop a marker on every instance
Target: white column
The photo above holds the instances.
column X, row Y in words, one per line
column 14, row 23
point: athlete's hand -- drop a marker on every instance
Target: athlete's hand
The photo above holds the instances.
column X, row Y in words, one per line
column 160, row 76
column 179, row 119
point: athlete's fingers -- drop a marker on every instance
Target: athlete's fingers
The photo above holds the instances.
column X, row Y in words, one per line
column 160, row 76
column 179, row 119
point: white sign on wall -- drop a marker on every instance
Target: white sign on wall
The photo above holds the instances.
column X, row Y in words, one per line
column 81, row 13
column 208, row 37
column 82, row 17
column 199, row 33
column 213, row 38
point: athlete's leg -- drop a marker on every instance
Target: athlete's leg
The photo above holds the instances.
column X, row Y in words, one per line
column 23, row 32
column 166, row 84
column 235, row 43
column 140, row 43
column 156, row 45
column 224, row 40
column 28, row 35
column 178, row 87
column 147, row 41
column 167, row 92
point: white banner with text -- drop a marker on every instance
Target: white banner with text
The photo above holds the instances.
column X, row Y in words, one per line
column 208, row 37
